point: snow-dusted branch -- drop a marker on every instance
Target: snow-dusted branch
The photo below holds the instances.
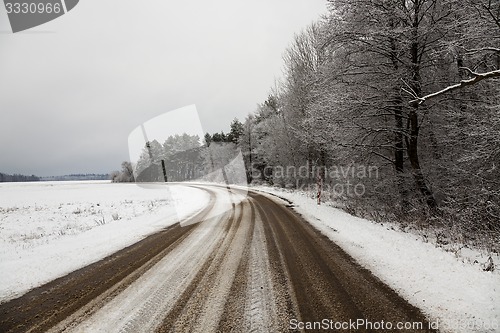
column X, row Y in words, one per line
column 483, row 49
column 493, row 15
column 468, row 70
column 476, row 78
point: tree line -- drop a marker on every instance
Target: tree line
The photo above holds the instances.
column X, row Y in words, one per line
column 407, row 87
column 18, row 178
column 182, row 157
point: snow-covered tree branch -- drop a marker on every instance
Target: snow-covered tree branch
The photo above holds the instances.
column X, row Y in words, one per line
column 477, row 77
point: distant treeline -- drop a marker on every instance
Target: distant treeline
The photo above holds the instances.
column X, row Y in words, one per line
column 78, row 176
column 17, row 178
column 24, row 178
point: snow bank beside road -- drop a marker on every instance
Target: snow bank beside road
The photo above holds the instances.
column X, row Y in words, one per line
column 49, row 229
column 459, row 296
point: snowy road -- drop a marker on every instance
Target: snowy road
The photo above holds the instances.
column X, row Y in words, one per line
column 255, row 267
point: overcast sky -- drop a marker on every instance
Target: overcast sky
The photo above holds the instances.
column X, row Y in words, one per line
column 73, row 89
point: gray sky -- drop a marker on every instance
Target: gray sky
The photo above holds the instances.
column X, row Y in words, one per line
column 73, row 89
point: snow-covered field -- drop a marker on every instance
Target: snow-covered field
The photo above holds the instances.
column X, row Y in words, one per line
column 49, row 229
column 451, row 289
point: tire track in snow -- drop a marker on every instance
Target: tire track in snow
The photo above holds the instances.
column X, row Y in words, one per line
column 260, row 306
column 325, row 282
column 143, row 305
column 201, row 309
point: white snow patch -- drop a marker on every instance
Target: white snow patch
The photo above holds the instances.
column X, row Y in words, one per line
column 458, row 295
column 49, row 229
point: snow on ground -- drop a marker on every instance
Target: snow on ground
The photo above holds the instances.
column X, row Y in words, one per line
column 456, row 294
column 49, row 229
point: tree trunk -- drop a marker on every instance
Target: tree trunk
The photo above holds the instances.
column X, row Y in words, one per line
column 399, row 154
column 412, row 148
column 397, row 108
column 412, row 123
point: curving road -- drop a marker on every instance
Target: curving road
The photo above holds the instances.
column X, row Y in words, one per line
column 246, row 263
